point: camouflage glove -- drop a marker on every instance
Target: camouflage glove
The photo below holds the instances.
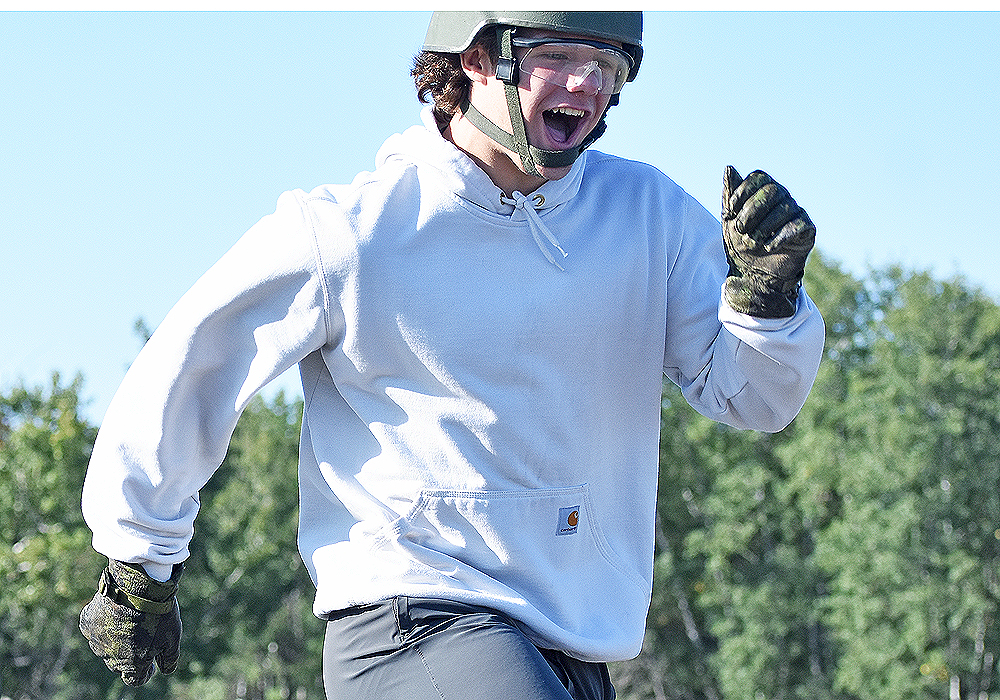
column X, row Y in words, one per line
column 134, row 620
column 767, row 237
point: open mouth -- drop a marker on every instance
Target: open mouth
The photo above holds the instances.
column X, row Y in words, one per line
column 562, row 124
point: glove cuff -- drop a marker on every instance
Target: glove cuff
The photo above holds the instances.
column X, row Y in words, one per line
column 758, row 300
column 129, row 585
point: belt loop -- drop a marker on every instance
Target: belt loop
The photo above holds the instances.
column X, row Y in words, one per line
column 401, row 609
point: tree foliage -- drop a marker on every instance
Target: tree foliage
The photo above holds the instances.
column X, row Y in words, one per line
column 44, row 448
column 853, row 556
column 245, row 584
column 245, row 595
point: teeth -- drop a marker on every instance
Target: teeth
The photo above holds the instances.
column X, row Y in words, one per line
column 569, row 111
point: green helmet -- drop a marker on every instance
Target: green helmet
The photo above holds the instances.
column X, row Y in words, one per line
column 455, row 31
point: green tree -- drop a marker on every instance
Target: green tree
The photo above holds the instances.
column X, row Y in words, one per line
column 246, row 596
column 47, row 567
column 676, row 656
column 737, row 595
column 913, row 553
column 853, row 555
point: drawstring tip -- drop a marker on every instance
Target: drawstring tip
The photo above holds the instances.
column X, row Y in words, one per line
column 565, row 255
column 538, row 229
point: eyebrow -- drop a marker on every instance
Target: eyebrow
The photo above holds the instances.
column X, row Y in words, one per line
column 524, row 43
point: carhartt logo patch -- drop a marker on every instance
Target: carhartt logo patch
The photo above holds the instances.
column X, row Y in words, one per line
column 569, row 520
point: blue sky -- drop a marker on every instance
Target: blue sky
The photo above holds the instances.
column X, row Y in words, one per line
column 137, row 148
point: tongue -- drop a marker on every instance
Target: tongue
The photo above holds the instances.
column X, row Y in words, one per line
column 560, row 126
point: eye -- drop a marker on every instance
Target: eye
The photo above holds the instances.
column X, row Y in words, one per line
column 553, row 56
column 611, row 65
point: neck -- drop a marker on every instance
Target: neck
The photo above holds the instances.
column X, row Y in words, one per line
column 501, row 165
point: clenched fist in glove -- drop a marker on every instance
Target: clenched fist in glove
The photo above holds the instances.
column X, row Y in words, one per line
column 133, row 621
column 767, row 237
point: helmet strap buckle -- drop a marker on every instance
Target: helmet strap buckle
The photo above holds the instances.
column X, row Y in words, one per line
column 507, row 70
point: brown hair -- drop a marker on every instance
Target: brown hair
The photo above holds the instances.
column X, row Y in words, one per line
column 440, row 80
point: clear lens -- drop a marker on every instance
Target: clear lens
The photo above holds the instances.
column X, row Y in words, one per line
column 574, row 66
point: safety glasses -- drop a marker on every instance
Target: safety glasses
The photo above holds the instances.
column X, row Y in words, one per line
column 575, row 64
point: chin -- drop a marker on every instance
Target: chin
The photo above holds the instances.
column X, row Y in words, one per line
column 554, row 173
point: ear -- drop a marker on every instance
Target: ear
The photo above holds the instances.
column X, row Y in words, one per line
column 477, row 65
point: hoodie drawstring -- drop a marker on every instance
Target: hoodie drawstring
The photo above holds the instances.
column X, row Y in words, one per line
column 538, row 229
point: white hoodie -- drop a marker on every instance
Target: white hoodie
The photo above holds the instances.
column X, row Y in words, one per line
column 481, row 411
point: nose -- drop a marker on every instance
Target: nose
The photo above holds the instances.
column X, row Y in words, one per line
column 587, row 79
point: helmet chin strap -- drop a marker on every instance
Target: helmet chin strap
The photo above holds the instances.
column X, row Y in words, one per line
column 518, row 141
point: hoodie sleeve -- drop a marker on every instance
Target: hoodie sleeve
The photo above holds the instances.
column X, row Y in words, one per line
column 747, row 372
column 253, row 315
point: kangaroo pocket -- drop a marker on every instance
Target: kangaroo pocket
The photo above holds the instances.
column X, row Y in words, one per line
column 538, row 553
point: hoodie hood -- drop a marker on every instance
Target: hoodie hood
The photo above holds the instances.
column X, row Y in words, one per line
column 443, row 162
column 425, row 147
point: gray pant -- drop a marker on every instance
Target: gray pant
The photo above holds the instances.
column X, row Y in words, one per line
column 424, row 649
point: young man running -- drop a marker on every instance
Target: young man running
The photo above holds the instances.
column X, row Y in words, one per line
column 481, row 326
